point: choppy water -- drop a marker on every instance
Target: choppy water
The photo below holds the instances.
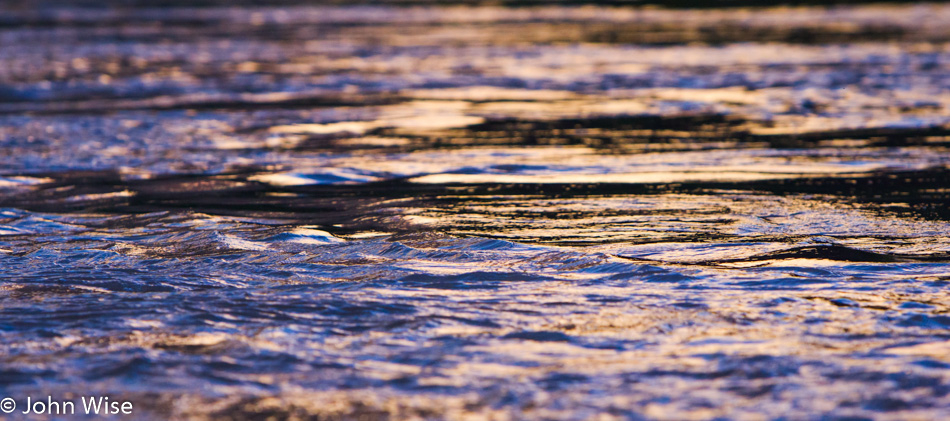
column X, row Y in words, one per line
column 485, row 213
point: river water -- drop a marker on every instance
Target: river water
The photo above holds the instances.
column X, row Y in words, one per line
column 477, row 212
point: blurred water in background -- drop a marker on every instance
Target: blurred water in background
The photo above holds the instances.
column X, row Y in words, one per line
column 557, row 212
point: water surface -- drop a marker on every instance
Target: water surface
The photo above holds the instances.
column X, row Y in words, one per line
column 490, row 213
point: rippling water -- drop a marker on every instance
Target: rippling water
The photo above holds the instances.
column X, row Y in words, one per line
column 486, row 213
